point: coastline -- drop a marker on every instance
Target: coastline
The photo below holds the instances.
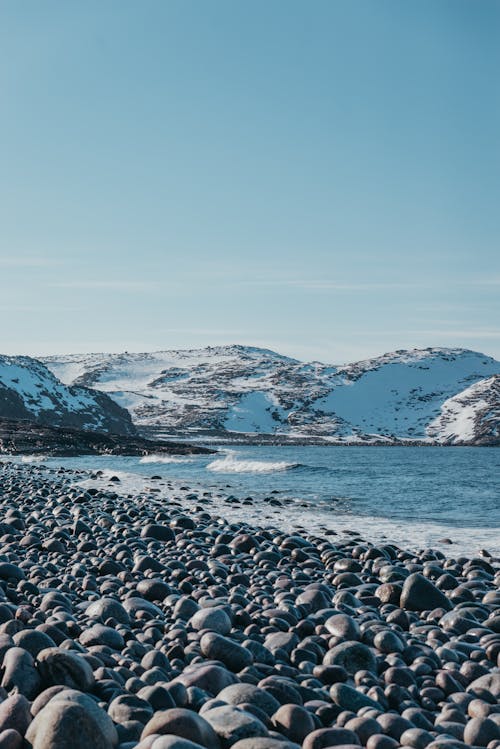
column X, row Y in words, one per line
column 145, row 618
column 214, row 438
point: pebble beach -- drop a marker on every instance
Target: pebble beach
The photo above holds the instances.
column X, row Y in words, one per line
column 128, row 621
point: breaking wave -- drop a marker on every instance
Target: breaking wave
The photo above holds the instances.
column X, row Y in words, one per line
column 230, row 464
column 165, row 459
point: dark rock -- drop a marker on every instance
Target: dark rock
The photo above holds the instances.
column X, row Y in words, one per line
column 352, row 656
column 214, row 619
column 15, row 713
column 327, row 737
column 481, row 731
column 57, row 666
column 158, row 532
column 239, row 694
column 184, row 723
column 220, row 648
column 72, row 719
column 231, row 724
column 420, row 594
column 19, row 673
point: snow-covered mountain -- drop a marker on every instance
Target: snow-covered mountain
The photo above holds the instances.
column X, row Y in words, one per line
column 471, row 416
column 28, row 390
column 403, row 395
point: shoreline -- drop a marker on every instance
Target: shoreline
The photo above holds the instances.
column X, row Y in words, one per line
column 144, row 618
column 296, row 513
column 271, row 440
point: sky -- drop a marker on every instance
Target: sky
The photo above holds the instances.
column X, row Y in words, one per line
column 319, row 177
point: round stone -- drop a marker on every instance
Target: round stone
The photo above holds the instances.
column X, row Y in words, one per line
column 57, row 666
column 232, row 724
column 220, row 648
column 108, row 608
column 54, row 726
column 214, row 619
column 352, row 656
column 184, row 723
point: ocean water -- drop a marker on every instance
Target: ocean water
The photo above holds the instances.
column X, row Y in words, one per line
column 416, row 496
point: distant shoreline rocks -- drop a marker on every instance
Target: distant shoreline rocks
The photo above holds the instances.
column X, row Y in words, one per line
column 19, row 437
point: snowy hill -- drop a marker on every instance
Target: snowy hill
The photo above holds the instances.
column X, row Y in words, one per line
column 245, row 390
column 471, row 416
column 28, row 390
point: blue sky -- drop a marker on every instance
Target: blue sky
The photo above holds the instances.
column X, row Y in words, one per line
column 322, row 178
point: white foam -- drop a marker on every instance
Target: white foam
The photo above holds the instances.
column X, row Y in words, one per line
column 164, row 459
column 33, row 458
column 230, row 464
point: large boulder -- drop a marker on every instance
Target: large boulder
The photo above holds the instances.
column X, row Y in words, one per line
column 352, row 656
column 19, row 673
column 219, row 648
column 108, row 608
column 15, row 714
column 72, row 720
column 420, row 594
column 232, row 724
column 57, row 666
column 184, row 723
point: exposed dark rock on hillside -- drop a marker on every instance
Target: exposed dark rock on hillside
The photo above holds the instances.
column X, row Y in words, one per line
column 28, row 390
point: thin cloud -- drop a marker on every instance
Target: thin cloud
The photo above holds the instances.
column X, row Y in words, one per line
column 328, row 285
column 36, row 309
column 116, row 285
column 316, row 284
column 27, row 262
column 464, row 333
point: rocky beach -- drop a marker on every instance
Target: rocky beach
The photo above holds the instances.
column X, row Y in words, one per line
column 130, row 621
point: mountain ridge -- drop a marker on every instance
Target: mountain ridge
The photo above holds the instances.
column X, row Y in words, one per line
column 29, row 391
column 239, row 390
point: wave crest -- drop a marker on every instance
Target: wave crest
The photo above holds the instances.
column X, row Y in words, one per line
column 164, row 459
column 230, row 464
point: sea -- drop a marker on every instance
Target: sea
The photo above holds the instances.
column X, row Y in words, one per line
column 417, row 497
